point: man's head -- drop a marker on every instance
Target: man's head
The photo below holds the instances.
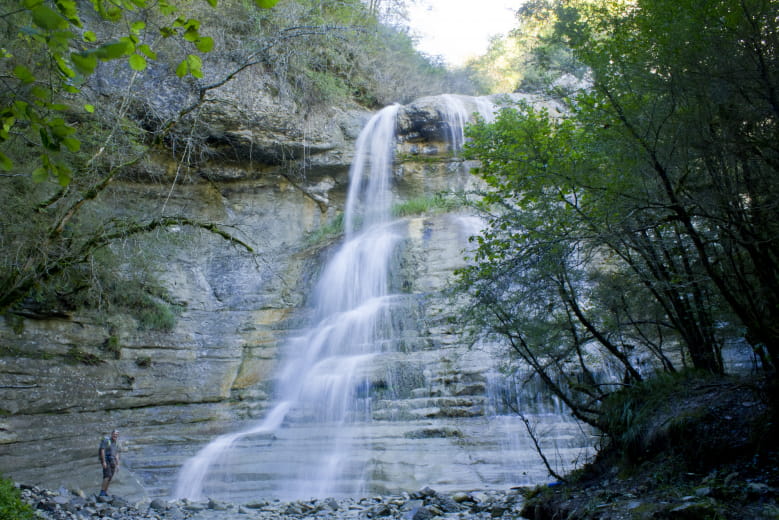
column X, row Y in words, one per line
column 115, row 434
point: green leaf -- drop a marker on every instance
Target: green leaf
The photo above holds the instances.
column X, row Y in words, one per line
column 72, row 144
column 69, row 9
column 145, row 49
column 182, row 69
column 195, row 65
column 47, row 143
column 266, row 4
column 166, row 7
column 63, row 67
column 130, row 42
column 21, row 109
column 85, row 62
column 59, row 128
column 89, row 108
column 191, row 34
column 40, row 92
column 212, row 3
column 24, row 74
column 47, row 18
column 137, row 62
column 8, row 122
column 107, row 10
column 89, row 36
column 112, row 50
column 5, row 162
column 187, row 23
column 29, row 4
column 204, row 44
column 40, row 174
column 59, row 42
column 63, row 174
column 137, row 27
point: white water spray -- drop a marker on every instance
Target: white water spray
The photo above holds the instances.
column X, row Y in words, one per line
column 457, row 114
column 324, row 367
column 319, row 439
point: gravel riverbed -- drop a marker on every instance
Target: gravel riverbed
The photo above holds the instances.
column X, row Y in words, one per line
column 425, row 504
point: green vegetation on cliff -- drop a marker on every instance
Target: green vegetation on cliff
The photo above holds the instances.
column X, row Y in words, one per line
column 436, row 203
column 324, row 53
column 77, row 113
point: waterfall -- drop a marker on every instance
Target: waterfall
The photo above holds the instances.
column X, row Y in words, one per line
column 325, row 368
column 339, row 425
column 456, row 115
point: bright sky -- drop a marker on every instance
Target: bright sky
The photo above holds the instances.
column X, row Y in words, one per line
column 459, row 29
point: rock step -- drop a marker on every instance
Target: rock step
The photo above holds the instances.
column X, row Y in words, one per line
column 429, row 407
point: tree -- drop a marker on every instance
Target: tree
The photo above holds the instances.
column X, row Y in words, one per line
column 534, row 280
column 58, row 54
column 531, row 58
column 641, row 223
column 692, row 88
column 393, row 12
column 48, row 132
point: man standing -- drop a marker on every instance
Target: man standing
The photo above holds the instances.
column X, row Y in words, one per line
column 109, row 458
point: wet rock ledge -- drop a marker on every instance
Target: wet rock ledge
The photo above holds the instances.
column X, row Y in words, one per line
column 425, row 504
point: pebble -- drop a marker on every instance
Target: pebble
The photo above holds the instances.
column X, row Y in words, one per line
column 425, row 504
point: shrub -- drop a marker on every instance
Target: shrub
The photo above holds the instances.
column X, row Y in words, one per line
column 108, row 287
column 438, row 203
column 330, row 231
column 156, row 316
column 111, row 345
column 11, row 505
column 644, row 414
column 75, row 355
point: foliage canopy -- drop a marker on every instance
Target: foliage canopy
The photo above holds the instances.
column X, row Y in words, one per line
column 58, row 53
column 638, row 224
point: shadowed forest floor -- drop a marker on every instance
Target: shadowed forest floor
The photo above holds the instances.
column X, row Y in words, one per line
column 708, row 452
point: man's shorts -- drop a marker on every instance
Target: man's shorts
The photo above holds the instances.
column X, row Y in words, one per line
column 109, row 470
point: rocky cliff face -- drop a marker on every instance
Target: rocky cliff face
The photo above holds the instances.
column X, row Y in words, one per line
column 170, row 393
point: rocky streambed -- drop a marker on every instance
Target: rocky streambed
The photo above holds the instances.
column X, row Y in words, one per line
column 425, row 504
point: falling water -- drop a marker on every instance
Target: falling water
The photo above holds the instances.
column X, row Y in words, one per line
column 325, row 367
column 456, row 115
column 319, row 438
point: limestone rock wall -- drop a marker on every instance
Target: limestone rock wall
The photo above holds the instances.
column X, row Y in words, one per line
column 170, row 393
column 217, row 364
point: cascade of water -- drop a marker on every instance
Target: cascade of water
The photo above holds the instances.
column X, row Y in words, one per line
column 319, row 376
column 457, row 114
column 318, row 440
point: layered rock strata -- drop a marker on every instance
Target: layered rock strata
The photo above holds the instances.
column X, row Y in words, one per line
column 170, row 393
